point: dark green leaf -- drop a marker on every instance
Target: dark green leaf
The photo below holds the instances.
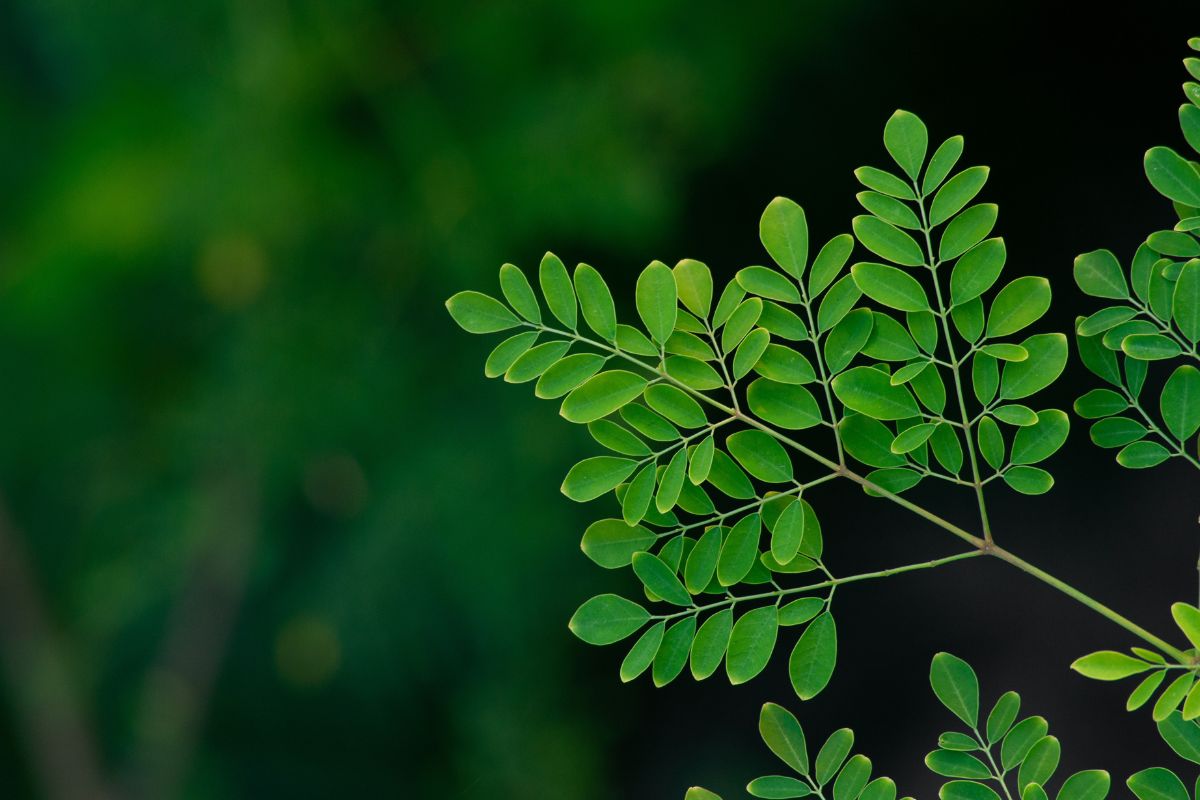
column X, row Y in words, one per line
column 660, row 579
column 1173, row 176
column 1157, row 783
column 778, row 787
column 642, row 654
column 1021, row 739
column 1142, row 455
column 1029, row 480
column 1019, row 304
column 977, row 270
column 739, row 551
column 673, row 652
column 596, row 476
column 782, row 733
column 1090, row 784
column 954, row 764
column 1180, row 402
column 956, row 686
column 784, row 405
column 710, row 644
column 1116, row 432
column 966, row 790
column 751, row 643
column 1150, row 347
column 1002, row 716
column 1039, row 766
column 814, row 657
column 958, row 191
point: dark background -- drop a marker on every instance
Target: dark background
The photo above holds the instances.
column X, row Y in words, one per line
column 269, row 531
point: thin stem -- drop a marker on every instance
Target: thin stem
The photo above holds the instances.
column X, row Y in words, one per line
column 822, row 371
column 833, row 582
column 1153, row 426
column 954, row 369
column 997, row 773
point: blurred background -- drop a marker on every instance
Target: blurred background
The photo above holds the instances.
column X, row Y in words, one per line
column 267, row 531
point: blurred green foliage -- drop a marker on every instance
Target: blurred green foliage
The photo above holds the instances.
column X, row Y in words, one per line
column 278, row 560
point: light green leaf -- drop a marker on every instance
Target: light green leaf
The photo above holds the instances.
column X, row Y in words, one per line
column 869, row 441
column 889, row 209
column 890, row 286
column 519, row 293
column 801, row 611
column 476, row 312
column 784, row 365
column 1100, row 403
column 595, row 300
column 676, row 405
column 906, row 139
column 783, row 230
column 869, row 391
column 750, row 351
column 642, row 654
column 847, row 339
column 657, row 301
column 567, row 374
column 611, row 435
column 956, row 686
column 888, row 241
column 700, row 460
column 1015, row 415
column 1021, row 739
column 954, row 764
column 1142, row 455
column 832, row 754
column 694, row 285
column 1150, row 347
column 558, row 291
column 889, row 341
column 967, row 230
column 1019, row 304
column 829, row 262
column 977, row 270
column 814, row 657
column 943, row 160
column 761, row 455
column 1039, row 766
column 1187, row 617
column 507, row 352
column 607, row 618
column 638, row 494
column 671, row 482
column 781, row 732
column 536, row 360
column 739, row 551
column 1182, row 736
column 837, row 303
column 711, row 642
column 912, row 438
column 611, row 543
column 1090, row 784
column 1108, row 665
column 991, row 442
column 596, row 476
column 1173, row 176
column 784, row 405
column 1041, row 440
column 1116, row 432
column 751, row 643
column 693, row 373
column 852, row 779
column 740, row 323
column 768, row 283
column 1172, row 696
column 1029, row 480
column 1047, row 358
column 886, row 182
column 700, row 793
column 958, row 191
column 1105, row 319
column 1099, row 274
column 601, row 395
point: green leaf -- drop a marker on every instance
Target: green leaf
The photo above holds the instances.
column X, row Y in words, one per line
column 700, row 793
column 595, row 300
column 671, row 482
column 761, row 455
column 781, row 732
column 890, row 287
column 832, row 754
column 1090, row 784
column 567, row 374
column 1105, row 319
column 1172, row 696
column 693, row 373
column 660, row 579
column 879, row 789
column 911, row 438
column 829, row 262
column 1108, row 665
column 1041, row 440
column 519, row 293
column 791, row 407
column 673, row 653
column 1150, row 347
column 869, row 391
column 782, row 323
column 953, row 740
column 476, row 312
column 1187, row 617
column 784, row 365
column 596, row 476
column 642, row 654
column 783, row 230
column 1157, row 783
column 847, row 339
column 906, row 140
column 607, row 618
column 657, row 301
column 1039, row 766
column 1185, row 303
column 944, row 159
column 701, row 563
column 778, row 787
column 694, row 285
column 1099, row 274
column 750, row 351
column 889, row 341
column 958, row 191
column 1142, row 455
column 649, row 424
column 768, row 283
column 611, row 543
column 969, row 319
column 636, row 502
column 611, row 435
column 977, row 270
column 739, row 551
column 1116, row 432
column 711, row 642
column 1100, row 403
column 889, row 209
column 507, row 352
column 1019, row 304
column 675, row 405
column 887, row 241
column 812, row 661
column 1176, row 244
column 740, row 323
column 1021, row 739
column 952, row 764
column 533, row 362
column 891, row 480
column 1015, row 415
column 885, row 182
column 1180, row 403
column 801, row 611
column 869, row 441
column 1173, row 176
column 727, row 476
column 837, row 303
column 751, row 643
column 700, row 460
column 601, row 395
column 631, row 340
column 731, row 296
column 1047, row 358
column 956, row 686
column 1002, row 716
column 991, row 442
column 852, row 779
column 966, row 790
column 558, row 291
column 967, row 230
column 1181, row 736
column 1028, row 480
